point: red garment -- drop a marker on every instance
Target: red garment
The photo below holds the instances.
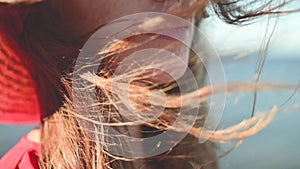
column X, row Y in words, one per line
column 24, row 155
column 31, row 67
column 18, row 96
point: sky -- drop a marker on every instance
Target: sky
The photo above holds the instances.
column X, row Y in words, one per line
column 228, row 38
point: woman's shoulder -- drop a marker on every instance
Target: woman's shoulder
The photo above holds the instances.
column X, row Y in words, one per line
column 24, row 155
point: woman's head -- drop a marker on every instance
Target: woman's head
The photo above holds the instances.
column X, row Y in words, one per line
column 49, row 35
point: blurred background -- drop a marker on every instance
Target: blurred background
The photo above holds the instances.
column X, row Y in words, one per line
column 278, row 145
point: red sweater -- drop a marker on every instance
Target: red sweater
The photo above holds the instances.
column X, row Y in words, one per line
column 24, row 155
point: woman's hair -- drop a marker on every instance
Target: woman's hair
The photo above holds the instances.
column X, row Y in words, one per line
column 70, row 140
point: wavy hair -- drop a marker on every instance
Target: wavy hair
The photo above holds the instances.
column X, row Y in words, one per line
column 70, row 140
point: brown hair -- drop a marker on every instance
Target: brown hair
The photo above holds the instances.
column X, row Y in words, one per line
column 66, row 143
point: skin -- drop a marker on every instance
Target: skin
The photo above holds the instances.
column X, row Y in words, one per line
column 34, row 135
column 80, row 18
column 70, row 20
column 71, row 23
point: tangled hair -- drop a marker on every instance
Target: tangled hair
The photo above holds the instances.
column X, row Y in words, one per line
column 242, row 12
column 72, row 140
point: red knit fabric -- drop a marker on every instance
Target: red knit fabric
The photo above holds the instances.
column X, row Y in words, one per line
column 18, row 94
column 30, row 67
column 18, row 97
